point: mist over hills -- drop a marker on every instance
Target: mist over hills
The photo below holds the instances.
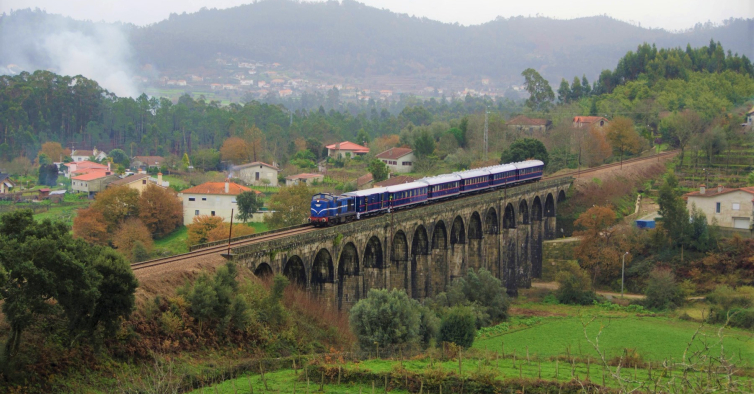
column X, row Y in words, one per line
column 350, row 39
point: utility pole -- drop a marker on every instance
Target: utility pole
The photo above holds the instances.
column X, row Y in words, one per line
column 486, row 131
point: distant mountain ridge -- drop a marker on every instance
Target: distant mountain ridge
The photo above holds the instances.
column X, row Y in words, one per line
column 351, row 39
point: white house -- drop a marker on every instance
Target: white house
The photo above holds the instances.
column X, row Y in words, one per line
column 398, row 159
column 6, row 184
column 212, row 199
column 346, row 149
column 309, row 179
column 84, row 155
column 729, row 207
column 256, row 173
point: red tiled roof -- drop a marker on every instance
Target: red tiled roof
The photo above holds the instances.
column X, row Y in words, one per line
column 86, row 164
column 217, row 188
column 303, row 176
column 350, row 146
column 712, row 191
column 525, row 121
column 92, row 175
column 396, row 180
column 394, row 153
column 588, row 119
column 364, row 179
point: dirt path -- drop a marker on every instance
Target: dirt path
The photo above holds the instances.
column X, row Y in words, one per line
column 606, row 294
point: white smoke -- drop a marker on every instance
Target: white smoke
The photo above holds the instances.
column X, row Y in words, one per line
column 97, row 51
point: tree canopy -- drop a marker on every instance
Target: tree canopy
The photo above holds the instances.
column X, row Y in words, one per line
column 524, row 149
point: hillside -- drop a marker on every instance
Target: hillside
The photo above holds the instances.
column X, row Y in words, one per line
column 353, row 40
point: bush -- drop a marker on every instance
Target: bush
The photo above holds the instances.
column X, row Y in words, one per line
column 214, row 301
column 458, row 326
column 482, row 292
column 575, row 285
column 663, row 292
column 733, row 306
column 389, row 317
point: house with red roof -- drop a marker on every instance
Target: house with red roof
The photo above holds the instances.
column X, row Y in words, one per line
column 81, row 167
column 92, row 180
column 524, row 123
column 728, row 206
column 398, row 159
column 212, row 199
column 346, row 149
column 586, row 122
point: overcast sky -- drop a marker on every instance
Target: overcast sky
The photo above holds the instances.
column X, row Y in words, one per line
column 666, row 14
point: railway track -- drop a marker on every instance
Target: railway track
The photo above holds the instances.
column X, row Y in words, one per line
column 217, row 249
column 579, row 173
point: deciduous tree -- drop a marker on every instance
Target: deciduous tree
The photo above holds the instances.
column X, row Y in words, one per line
column 222, row 232
column 600, row 248
column 291, row 206
column 54, row 151
column 198, row 231
column 89, row 224
column 248, row 203
column 160, row 210
column 623, row 136
column 524, row 149
column 128, row 233
column 596, row 147
column 116, row 204
column 540, row 92
column 378, row 169
column 235, row 150
column 386, row 318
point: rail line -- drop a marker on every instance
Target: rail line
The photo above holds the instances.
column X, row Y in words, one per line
column 579, row 173
column 217, row 249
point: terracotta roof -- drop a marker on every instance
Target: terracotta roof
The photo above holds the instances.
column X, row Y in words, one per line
column 394, row 153
column 525, row 121
column 396, row 180
column 588, row 119
column 364, row 179
column 85, row 164
column 92, row 175
column 150, row 160
column 712, row 191
column 304, row 176
column 217, row 188
column 256, row 163
column 129, row 179
column 347, row 145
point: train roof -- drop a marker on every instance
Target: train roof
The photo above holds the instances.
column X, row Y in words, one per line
column 528, row 164
column 439, row 179
column 473, row 173
column 502, row 168
column 366, row 192
column 406, row 186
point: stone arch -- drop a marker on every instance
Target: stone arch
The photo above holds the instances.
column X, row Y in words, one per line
column 294, row 270
column 440, row 236
column 348, row 276
column 419, row 263
column 536, row 209
column 374, row 264
column 549, row 206
column 263, row 270
column 322, row 272
column 561, row 196
column 399, row 262
column 523, row 212
column 457, row 232
column 509, row 217
column 475, row 226
column 490, row 222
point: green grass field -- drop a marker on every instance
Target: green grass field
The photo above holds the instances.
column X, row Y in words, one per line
column 175, row 242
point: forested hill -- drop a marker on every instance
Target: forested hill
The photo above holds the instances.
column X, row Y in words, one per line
column 352, row 39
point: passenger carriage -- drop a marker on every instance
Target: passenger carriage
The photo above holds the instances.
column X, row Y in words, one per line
column 474, row 180
column 442, row 186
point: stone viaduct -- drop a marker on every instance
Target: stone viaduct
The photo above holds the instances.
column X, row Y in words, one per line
column 420, row 250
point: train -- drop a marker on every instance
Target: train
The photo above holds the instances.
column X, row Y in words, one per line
column 328, row 209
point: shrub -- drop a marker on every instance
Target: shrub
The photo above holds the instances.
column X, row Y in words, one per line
column 272, row 311
column 481, row 291
column 386, row 318
column 733, row 306
column 663, row 292
column 458, row 326
column 575, row 285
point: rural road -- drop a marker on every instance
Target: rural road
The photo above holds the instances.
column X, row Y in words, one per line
column 606, row 294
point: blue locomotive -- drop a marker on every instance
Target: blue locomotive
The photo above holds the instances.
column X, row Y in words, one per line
column 328, row 209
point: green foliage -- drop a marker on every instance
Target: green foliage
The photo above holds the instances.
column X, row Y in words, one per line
column 91, row 287
column 386, row 318
column 214, row 300
column 424, row 143
column 523, row 149
column 482, row 292
column 185, row 163
column 540, row 92
column 272, row 311
column 735, row 306
column 119, row 157
column 663, row 292
column 458, row 326
column 682, row 227
column 48, row 175
column 304, row 159
column 206, row 159
column 575, row 285
column 139, row 252
column 378, row 169
column 248, row 204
